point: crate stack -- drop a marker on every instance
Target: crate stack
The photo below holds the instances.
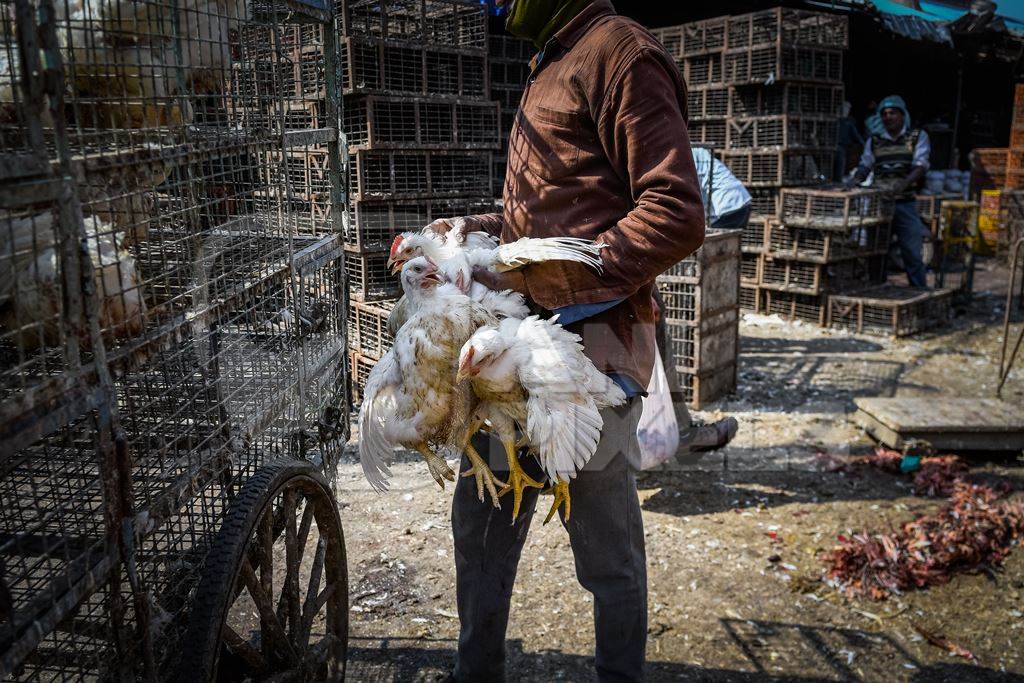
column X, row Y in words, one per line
column 824, row 242
column 510, row 68
column 1015, row 153
column 421, row 129
column 701, row 297
column 765, row 91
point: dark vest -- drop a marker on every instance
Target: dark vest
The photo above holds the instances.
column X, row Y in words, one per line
column 894, row 160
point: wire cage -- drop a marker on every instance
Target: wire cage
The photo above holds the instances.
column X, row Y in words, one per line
column 783, row 63
column 837, row 210
column 172, row 342
column 786, row 26
column 889, row 310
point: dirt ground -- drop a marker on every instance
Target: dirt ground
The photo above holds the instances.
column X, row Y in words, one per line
column 719, row 609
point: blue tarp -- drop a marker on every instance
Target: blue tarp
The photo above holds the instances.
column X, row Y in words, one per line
column 916, row 24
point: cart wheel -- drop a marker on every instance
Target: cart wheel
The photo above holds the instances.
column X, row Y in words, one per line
column 273, row 599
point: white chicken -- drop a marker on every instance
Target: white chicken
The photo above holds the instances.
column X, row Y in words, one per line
column 412, row 398
column 124, row 59
column 533, row 374
column 30, row 281
column 459, row 251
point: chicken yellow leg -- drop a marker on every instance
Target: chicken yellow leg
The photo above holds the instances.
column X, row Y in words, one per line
column 485, row 478
column 561, row 493
column 517, row 478
column 439, row 469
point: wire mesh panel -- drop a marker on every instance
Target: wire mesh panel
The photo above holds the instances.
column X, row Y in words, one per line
column 831, row 209
column 889, row 310
column 815, row 278
column 819, row 246
column 764, row 202
column 795, row 306
column 782, row 63
column 439, row 22
column 172, row 310
column 711, row 132
column 805, row 99
column 753, row 239
column 368, row 328
column 771, row 168
column 704, row 36
column 408, row 175
column 785, row 26
column 707, row 102
column 782, row 131
column 704, row 69
column 376, row 122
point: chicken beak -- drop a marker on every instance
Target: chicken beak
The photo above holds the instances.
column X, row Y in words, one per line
column 465, row 366
column 395, row 264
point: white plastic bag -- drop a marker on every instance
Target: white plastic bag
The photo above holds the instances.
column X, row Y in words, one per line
column 658, row 431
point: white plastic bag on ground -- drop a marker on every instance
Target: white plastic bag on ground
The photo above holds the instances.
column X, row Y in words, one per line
column 657, row 432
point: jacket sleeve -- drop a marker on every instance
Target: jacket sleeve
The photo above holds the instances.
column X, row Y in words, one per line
column 642, row 127
column 491, row 223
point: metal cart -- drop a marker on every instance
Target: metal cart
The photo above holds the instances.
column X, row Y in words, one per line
column 173, row 387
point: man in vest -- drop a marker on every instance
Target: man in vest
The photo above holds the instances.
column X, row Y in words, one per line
column 899, row 157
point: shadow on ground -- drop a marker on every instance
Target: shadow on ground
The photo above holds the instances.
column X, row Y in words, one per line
column 773, row 652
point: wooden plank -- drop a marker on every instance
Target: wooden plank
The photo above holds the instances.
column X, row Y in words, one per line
column 947, row 423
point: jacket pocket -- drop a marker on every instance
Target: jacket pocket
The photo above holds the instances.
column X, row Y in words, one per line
column 551, row 140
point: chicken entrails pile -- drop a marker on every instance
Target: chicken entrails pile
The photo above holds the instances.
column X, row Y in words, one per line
column 467, row 358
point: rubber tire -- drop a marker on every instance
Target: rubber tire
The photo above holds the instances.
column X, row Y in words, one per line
column 200, row 648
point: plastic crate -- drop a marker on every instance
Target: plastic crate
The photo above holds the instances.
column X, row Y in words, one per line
column 834, row 209
column 889, row 310
column 782, row 131
column 766, row 65
column 785, row 26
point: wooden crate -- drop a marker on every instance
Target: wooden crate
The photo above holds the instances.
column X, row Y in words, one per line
column 783, row 131
column 818, row 278
column 889, row 310
column 708, row 345
column 712, row 132
column 750, row 268
column 382, row 122
column 368, row 327
column 795, row 306
column 825, row 246
column 359, row 369
column 701, row 389
column 835, row 209
column 754, row 238
column 786, row 26
column 773, row 63
column 751, row 299
column 707, row 102
column 773, row 168
column 368, row 276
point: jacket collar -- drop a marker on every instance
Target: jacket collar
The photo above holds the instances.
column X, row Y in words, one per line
column 568, row 35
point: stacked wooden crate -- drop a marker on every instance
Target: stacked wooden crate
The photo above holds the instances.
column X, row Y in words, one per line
column 824, row 242
column 421, row 129
column 765, row 91
column 1015, row 153
column 701, row 296
column 510, row 68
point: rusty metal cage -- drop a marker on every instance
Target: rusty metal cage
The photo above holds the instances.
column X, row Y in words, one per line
column 172, row 342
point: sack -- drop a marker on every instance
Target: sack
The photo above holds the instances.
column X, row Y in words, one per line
column 658, row 431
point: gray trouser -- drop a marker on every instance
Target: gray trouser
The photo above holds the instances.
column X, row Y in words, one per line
column 607, row 537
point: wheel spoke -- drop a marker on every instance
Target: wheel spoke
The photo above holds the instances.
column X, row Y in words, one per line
column 244, row 650
column 288, row 603
column 269, row 624
column 309, row 609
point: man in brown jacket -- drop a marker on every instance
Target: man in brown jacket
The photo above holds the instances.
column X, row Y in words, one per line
column 599, row 149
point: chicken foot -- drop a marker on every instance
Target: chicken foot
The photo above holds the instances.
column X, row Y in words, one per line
column 517, row 478
column 561, row 493
column 439, row 469
column 485, row 478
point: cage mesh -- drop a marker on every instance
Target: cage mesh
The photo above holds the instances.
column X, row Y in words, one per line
column 172, row 311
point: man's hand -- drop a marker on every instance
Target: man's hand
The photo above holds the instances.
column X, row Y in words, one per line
column 499, row 282
column 441, row 225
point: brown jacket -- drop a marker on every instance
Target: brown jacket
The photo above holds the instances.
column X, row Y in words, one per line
column 600, row 150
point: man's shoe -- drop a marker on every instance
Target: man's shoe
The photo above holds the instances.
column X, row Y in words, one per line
column 713, row 436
